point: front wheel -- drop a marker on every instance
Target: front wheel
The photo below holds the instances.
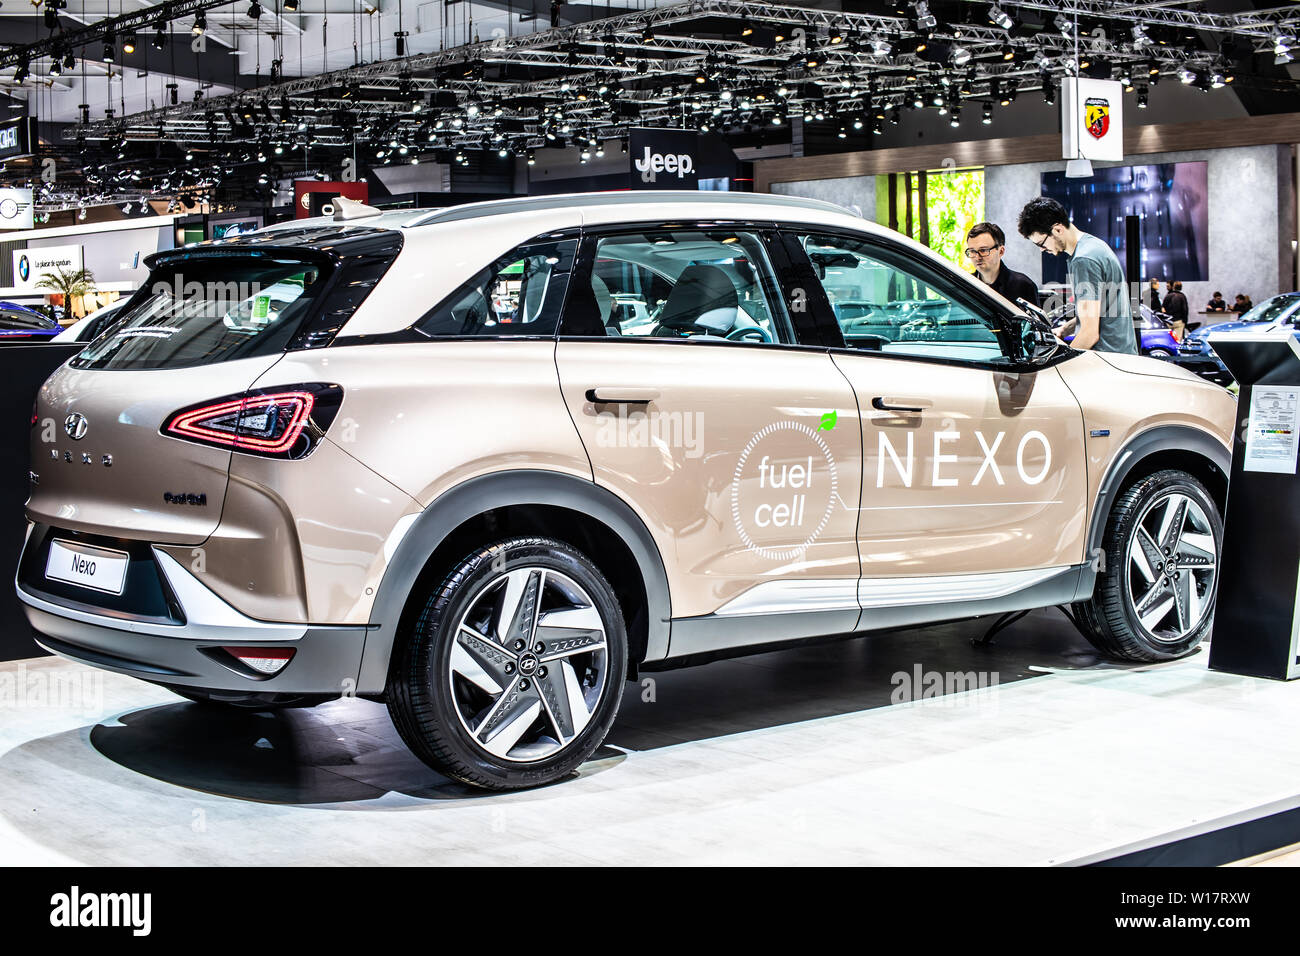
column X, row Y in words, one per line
column 1154, row 597
column 513, row 674
column 1159, row 354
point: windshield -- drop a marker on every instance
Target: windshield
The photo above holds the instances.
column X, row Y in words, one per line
column 204, row 310
column 1272, row 309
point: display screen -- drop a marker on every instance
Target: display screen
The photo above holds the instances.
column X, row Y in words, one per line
column 231, row 228
column 1171, row 201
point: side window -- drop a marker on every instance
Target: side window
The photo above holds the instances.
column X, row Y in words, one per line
column 680, row 283
column 518, row 294
column 886, row 302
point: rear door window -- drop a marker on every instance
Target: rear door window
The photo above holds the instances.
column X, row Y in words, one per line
column 519, row 294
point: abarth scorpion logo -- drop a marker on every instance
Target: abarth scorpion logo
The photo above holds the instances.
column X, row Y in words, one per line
column 76, row 426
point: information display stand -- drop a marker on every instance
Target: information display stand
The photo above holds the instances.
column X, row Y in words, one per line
column 1257, row 619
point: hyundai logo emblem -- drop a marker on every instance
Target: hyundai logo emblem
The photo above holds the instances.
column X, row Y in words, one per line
column 75, row 425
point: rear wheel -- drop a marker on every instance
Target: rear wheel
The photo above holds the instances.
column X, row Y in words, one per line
column 513, row 673
column 1154, row 597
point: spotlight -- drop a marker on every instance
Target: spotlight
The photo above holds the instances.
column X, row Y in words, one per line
column 1142, row 97
column 159, row 38
column 69, row 61
column 988, row 114
column 1140, row 38
column 1064, row 24
column 532, row 159
column 1187, row 76
column 955, row 119
column 255, row 10
column 128, row 44
column 290, row 6
column 881, row 47
column 110, row 52
column 200, row 24
column 1008, row 52
column 56, row 65
column 960, row 56
column 22, row 71
column 1000, row 17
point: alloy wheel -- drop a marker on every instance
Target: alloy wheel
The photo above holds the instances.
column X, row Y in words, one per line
column 529, row 664
column 1172, row 567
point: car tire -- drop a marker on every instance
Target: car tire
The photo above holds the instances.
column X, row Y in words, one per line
column 1143, row 612
column 1160, row 354
column 484, row 691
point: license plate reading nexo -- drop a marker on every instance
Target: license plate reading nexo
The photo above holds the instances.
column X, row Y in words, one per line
column 87, row 567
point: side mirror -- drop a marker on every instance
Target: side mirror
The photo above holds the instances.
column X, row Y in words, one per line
column 1037, row 343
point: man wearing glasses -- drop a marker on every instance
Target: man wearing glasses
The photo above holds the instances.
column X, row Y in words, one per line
column 1102, row 315
column 985, row 245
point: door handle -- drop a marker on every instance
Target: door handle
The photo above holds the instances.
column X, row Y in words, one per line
column 880, row 405
column 606, row 394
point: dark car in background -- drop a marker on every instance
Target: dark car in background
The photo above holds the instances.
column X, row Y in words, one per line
column 1196, row 355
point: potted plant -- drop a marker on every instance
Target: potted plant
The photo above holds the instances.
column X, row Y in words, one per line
column 68, row 283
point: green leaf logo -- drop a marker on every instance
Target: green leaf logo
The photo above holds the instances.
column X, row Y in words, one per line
column 828, row 421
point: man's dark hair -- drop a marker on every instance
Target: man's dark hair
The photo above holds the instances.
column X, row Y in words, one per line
column 988, row 229
column 1040, row 215
column 1218, row 295
column 1178, row 287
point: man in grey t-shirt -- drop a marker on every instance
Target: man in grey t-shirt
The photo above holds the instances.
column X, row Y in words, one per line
column 1103, row 320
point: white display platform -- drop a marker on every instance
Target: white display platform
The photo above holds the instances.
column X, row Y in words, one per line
column 1069, row 767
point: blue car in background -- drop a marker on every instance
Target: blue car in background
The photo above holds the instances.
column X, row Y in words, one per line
column 1157, row 339
column 21, row 324
column 1195, row 353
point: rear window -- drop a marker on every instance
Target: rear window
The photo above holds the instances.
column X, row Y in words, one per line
column 205, row 310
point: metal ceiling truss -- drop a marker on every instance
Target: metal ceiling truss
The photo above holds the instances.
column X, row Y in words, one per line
column 723, row 64
column 579, row 51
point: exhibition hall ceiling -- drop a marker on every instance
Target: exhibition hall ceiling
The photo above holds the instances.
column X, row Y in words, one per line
column 210, row 88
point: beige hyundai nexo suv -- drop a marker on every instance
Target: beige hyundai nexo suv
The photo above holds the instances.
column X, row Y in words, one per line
column 487, row 463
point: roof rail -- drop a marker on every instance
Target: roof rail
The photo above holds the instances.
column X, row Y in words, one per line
column 500, row 207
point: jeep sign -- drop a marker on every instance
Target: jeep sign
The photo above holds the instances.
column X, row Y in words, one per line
column 663, row 158
column 652, row 164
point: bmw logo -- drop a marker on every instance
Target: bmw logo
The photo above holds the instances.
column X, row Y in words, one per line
column 76, row 425
column 24, row 268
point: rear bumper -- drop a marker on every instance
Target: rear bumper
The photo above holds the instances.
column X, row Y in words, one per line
column 326, row 660
column 186, row 648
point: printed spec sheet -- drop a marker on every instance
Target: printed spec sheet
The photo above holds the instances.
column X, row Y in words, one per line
column 1271, row 444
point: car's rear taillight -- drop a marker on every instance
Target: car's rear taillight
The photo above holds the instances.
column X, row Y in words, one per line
column 283, row 422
